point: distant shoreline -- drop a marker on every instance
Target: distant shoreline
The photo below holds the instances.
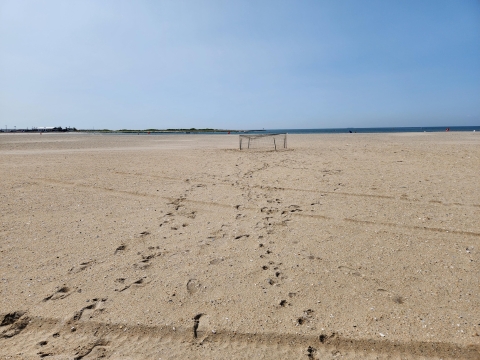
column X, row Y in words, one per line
column 273, row 131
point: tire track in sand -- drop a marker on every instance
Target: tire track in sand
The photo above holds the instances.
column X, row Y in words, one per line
column 53, row 337
column 178, row 200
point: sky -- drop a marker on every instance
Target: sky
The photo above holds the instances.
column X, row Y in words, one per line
column 239, row 64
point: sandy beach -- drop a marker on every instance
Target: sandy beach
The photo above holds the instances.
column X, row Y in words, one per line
column 182, row 246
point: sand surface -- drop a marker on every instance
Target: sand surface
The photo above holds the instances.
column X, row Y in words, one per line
column 168, row 247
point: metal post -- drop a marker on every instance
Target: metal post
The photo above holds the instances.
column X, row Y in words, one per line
column 275, row 144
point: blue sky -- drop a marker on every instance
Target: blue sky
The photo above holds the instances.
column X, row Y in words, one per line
column 239, row 64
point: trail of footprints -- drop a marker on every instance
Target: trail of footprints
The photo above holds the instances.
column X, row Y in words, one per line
column 96, row 306
column 273, row 215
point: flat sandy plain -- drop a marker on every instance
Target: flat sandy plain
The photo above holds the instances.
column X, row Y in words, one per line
column 168, row 247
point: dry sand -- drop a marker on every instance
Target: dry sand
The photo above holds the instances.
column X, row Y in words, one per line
column 149, row 247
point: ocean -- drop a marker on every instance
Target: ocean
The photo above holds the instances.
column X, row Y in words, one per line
column 367, row 130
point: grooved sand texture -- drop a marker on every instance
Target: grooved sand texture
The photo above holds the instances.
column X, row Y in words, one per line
column 342, row 246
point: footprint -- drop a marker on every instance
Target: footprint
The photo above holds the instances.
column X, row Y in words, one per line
column 96, row 307
column 138, row 283
column 11, row 318
column 120, row 248
column 81, row 267
column 84, row 350
column 241, row 236
column 61, row 293
column 193, row 285
column 398, row 299
column 351, row 271
column 311, row 352
column 307, row 315
column 145, row 262
column 294, row 208
column 215, row 261
column 44, row 354
column 301, row 320
column 14, row 324
column 325, row 339
column 268, row 211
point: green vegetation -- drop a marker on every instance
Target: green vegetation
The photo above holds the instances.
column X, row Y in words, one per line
column 191, row 130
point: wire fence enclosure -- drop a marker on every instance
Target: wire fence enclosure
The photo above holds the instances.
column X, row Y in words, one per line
column 263, row 141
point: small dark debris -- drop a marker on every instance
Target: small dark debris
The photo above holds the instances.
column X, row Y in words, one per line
column 196, row 320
